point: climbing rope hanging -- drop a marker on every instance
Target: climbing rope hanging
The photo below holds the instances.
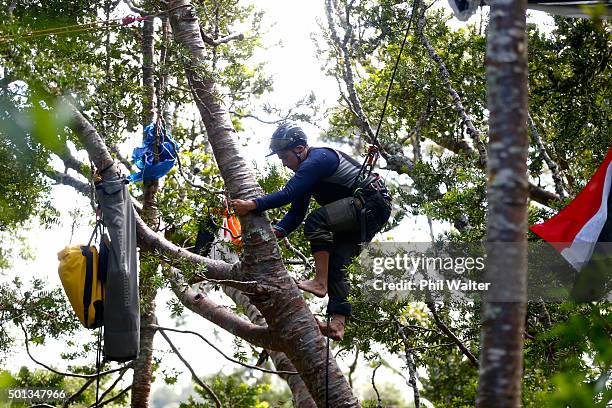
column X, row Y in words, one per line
column 374, row 149
column 91, row 26
column 77, row 28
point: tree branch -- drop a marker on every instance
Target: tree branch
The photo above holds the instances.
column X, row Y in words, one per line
column 449, row 333
column 134, row 8
column 11, row 8
column 445, row 76
column 353, row 367
column 379, row 401
column 108, row 401
column 554, row 168
column 194, row 376
column 201, row 304
column 410, row 363
column 346, row 68
column 233, row 360
column 301, row 395
column 123, row 160
column 79, row 392
column 391, row 152
column 208, row 39
column 113, row 385
column 27, row 346
column 66, row 179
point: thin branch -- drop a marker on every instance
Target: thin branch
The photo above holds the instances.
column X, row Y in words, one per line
column 208, row 39
column 79, row 392
column 204, row 187
column 379, row 401
column 544, row 315
column 257, row 118
column 347, row 72
column 353, row 367
column 201, row 304
column 123, row 160
column 27, row 346
column 134, row 8
column 297, row 252
column 66, row 179
column 108, row 401
column 195, row 377
column 416, row 131
column 70, row 161
column 449, row 333
column 430, row 347
column 554, row 168
column 11, row 8
column 391, row 152
column 411, row 365
column 233, row 360
column 112, row 386
column 445, row 76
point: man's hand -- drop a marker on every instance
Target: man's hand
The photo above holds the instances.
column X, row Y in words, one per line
column 242, row 207
column 278, row 233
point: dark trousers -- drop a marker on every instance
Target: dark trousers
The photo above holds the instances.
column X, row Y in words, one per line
column 336, row 228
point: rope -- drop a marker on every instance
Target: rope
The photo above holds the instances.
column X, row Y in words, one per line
column 397, row 60
column 372, row 155
column 98, row 358
column 93, row 25
column 327, row 365
column 121, row 22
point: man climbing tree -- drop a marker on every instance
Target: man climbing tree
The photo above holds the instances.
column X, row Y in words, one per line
column 352, row 211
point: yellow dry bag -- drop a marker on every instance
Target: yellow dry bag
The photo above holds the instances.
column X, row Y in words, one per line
column 78, row 271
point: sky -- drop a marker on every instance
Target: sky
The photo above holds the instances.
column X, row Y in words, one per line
column 296, row 73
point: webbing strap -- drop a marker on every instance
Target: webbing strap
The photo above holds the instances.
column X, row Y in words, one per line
column 86, row 251
column 362, row 224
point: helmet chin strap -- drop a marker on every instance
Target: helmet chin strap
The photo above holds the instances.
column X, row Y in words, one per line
column 298, row 156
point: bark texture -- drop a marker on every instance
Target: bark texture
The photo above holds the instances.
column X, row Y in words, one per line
column 503, row 315
column 301, row 396
column 281, row 303
column 199, row 303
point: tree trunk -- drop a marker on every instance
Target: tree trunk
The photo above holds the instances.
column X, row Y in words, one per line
column 301, row 396
column 141, row 382
column 282, row 303
column 503, row 315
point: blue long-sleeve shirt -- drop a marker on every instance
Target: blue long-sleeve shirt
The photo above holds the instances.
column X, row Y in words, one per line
column 318, row 165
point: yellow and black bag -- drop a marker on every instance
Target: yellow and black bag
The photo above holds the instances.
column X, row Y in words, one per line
column 82, row 271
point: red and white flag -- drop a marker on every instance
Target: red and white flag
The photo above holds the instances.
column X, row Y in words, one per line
column 584, row 222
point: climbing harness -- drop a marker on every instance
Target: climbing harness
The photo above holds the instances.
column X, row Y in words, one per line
column 369, row 162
